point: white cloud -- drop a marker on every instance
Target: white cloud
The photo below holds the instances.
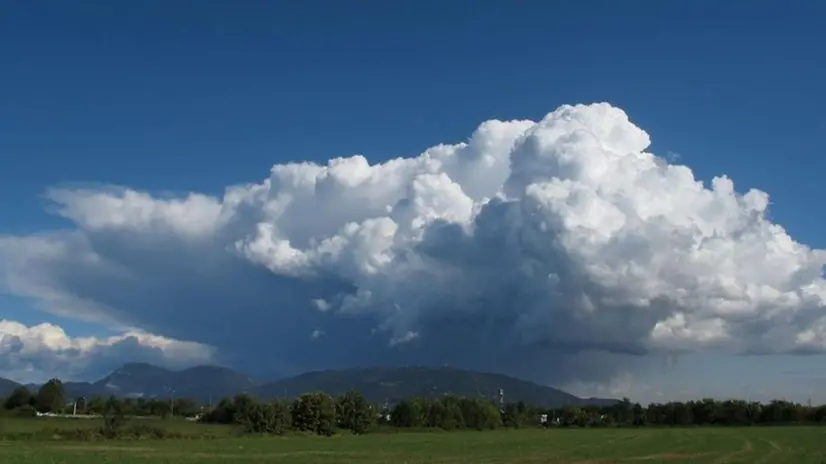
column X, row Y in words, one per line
column 623, row 385
column 528, row 246
column 36, row 353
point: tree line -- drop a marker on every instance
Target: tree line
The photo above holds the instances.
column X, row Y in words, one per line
column 320, row 413
column 323, row 414
column 51, row 397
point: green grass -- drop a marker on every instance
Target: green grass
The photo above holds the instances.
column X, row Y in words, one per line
column 47, row 427
column 793, row 445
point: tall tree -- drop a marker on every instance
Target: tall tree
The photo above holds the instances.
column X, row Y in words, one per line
column 51, row 397
column 406, row 413
column 19, row 397
column 354, row 413
column 314, row 412
column 114, row 416
column 241, row 404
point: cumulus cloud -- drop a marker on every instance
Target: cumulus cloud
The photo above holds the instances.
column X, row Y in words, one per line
column 559, row 250
column 39, row 352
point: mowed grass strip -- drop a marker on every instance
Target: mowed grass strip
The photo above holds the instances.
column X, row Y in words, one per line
column 793, row 445
column 16, row 426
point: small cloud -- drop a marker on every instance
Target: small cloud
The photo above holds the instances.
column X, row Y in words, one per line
column 406, row 338
column 321, row 304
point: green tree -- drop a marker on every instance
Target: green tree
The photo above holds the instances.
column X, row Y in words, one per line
column 574, row 416
column 517, row 416
column 407, row 413
column 51, row 397
column 182, row 407
column 224, row 413
column 479, row 414
column 241, row 405
column 272, row 418
column 444, row 413
column 354, row 413
column 96, row 405
column 435, row 413
column 114, row 417
column 314, row 412
column 19, row 397
column 683, row 414
column 452, row 413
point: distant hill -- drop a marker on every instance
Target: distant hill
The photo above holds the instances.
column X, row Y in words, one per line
column 202, row 383
column 377, row 384
column 7, row 386
column 390, row 384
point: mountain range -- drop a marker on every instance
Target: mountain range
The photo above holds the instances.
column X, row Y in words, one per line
column 7, row 386
column 377, row 384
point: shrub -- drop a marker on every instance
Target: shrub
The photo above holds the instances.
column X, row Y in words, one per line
column 314, row 412
column 272, row 418
column 354, row 413
column 26, row 411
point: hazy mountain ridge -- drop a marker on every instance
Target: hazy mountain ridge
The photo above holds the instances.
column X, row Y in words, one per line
column 201, row 383
column 377, row 384
column 7, row 386
column 390, row 384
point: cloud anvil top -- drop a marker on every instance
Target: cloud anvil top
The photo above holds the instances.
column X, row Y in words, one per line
column 528, row 245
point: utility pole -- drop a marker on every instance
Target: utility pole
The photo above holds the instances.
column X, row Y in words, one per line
column 172, row 404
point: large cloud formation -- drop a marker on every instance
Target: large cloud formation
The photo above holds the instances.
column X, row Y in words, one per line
column 558, row 250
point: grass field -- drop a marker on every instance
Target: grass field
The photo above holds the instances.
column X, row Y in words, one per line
column 794, row 445
column 11, row 427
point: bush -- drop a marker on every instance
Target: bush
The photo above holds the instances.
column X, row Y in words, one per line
column 21, row 396
column 314, row 412
column 143, row 432
column 271, row 418
column 354, row 413
column 25, row 412
column 113, row 418
column 407, row 413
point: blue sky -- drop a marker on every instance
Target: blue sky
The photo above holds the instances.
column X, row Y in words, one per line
column 196, row 96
